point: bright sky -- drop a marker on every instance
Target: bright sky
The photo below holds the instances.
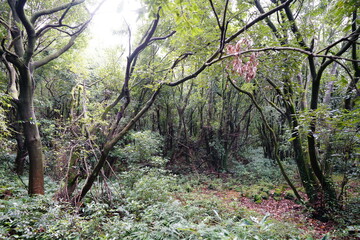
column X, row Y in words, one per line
column 109, row 20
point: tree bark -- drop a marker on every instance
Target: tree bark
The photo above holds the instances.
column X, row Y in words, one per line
column 348, row 104
column 21, row 152
column 31, row 131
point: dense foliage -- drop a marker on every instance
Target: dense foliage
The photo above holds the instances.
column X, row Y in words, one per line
column 210, row 110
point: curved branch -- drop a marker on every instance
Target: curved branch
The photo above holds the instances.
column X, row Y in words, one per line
column 71, row 42
column 60, row 22
column 161, row 38
column 54, row 10
column 57, row 54
column 259, row 18
column 270, row 23
column 19, row 7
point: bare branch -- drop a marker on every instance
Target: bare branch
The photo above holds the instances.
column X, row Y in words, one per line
column 57, row 54
column 60, row 22
column 131, row 62
column 162, row 38
column 57, row 27
column 71, row 42
column 54, row 10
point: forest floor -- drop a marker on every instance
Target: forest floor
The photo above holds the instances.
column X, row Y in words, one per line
column 283, row 208
column 157, row 205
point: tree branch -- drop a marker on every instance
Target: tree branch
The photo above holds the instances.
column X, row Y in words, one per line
column 19, row 7
column 3, row 22
column 161, row 38
column 259, row 18
column 131, row 62
column 337, row 42
column 60, row 22
column 300, row 50
column 71, row 42
column 270, row 23
column 216, row 15
column 57, row 54
column 211, row 60
column 54, row 10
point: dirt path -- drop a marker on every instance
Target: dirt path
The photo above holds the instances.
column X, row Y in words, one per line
column 282, row 210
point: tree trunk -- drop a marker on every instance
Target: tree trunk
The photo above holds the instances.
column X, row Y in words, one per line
column 21, row 154
column 307, row 176
column 349, row 103
column 31, row 132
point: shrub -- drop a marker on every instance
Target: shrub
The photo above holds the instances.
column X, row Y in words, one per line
column 262, row 169
column 152, row 187
column 142, row 148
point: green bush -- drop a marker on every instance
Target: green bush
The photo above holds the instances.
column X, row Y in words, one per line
column 262, row 169
column 152, row 187
column 142, row 148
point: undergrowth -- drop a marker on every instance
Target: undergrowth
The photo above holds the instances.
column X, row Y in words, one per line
column 148, row 202
column 151, row 205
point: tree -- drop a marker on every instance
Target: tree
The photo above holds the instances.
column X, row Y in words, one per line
column 35, row 36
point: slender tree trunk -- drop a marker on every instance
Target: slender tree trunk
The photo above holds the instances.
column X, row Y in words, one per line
column 348, row 103
column 109, row 145
column 273, row 137
column 307, row 177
